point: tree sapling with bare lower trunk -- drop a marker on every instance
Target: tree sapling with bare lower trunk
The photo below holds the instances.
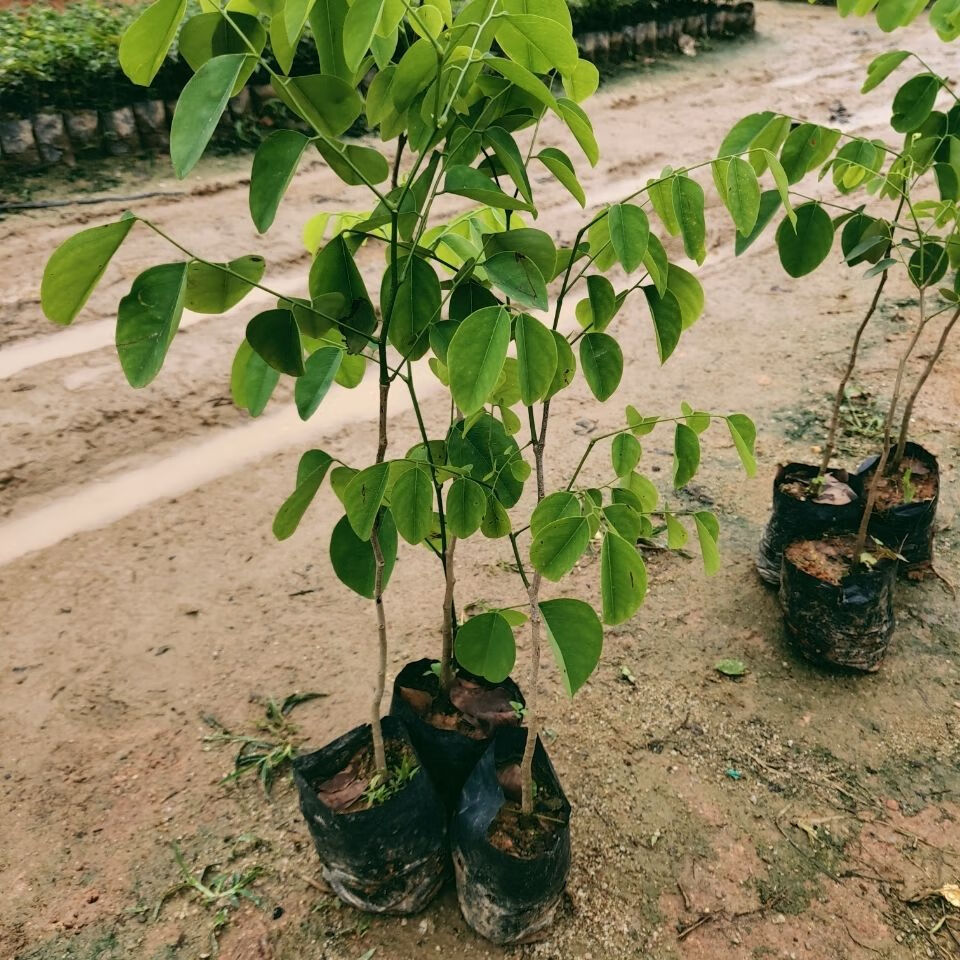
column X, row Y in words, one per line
column 480, row 301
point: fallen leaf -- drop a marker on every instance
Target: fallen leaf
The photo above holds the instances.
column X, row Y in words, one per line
column 731, row 668
column 951, row 893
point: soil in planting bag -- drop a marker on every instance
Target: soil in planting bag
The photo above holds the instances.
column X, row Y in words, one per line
column 834, row 615
column 450, row 737
column 907, row 528
column 387, row 858
column 511, row 869
column 796, row 515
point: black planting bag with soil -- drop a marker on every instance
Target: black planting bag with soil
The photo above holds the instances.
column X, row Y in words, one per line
column 847, row 624
column 449, row 755
column 907, row 528
column 389, row 858
column 795, row 518
column 509, row 898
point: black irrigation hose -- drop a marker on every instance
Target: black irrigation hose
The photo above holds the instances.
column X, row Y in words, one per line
column 43, row 204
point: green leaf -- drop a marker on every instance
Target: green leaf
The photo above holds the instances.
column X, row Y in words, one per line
column 807, row 146
column 295, row 14
column 537, row 43
column 252, row 380
column 485, row 646
column 676, row 532
column 364, row 496
column 212, row 35
column 625, row 520
column 508, row 153
column 583, row 82
column 600, row 307
column 411, row 504
column 536, row 358
column 536, row 245
column 517, row 276
column 623, row 579
column 914, row 102
column 554, row 506
column 689, row 295
column 273, row 168
column 486, row 449
column 199, row 109
column 310, row 473
column 744, row 132
column 210, row 289
column 275, row 336
column 466, row 505
column 521, row 77
column 566, row 365
column 766, row 208
column 629, row 234
column 708, row 531
column 660, row 192
column 417, row 67
column 602, row 363
column 624, row 453
column 686, row 455
column 475, row 357
column 334, row 271
column 557, row 547
column 147, row 319
column 897, row 13
column 655, row 260
column 688, row 208
column 804, row 248
column 667, row 320
column 318, row 374
column 769, row 205
column 579, row 125
column 353, row 559
column 744, row 435
column 468, row 182
column 327, row 18
column 928, row 264
column 576, row 639
column 330, row 105
column 743, row 195
column 643, row 489
column 358, row 31
column 854, row 163
column 561, row 166
column 639, row 425
column 75, row 268
column 496, row 522
column 881, row 67
column 353, row 163
column 416, row 307
column 144, row 44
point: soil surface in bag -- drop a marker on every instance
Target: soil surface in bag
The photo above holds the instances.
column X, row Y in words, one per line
column 511, row 868
column 803, row 509
column 906, row 507
column 388, row 857
column 450, row 734
column 837, row 613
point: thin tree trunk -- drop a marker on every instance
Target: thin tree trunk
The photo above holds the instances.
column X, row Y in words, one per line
column 927, row 370
column 379, row 753
column 881, row 466
column 533, row 592
column 446, row 656
column 851, row 363
column 532, row 697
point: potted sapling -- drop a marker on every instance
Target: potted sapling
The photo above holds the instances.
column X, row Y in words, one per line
column 836, row 576
column 458, row 99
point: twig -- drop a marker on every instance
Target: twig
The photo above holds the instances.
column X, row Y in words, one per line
column 699, row 922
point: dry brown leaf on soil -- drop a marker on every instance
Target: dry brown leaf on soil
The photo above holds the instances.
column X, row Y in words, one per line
column 949, row 892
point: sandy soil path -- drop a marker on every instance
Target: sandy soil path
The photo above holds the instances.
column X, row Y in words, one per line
column 141, row 590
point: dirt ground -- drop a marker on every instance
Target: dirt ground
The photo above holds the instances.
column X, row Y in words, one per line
column 790, row 814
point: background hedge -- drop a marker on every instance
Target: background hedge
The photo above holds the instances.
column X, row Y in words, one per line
column 67, row 59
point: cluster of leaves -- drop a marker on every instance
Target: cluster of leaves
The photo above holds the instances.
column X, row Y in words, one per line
column 923, row 237
column 471, row 295
column 892, row 14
